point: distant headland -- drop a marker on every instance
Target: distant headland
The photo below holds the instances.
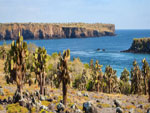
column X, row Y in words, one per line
column 9, row 31
column 139, row 45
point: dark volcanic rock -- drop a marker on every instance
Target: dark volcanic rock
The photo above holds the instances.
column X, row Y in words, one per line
column 49, row 31
column 141, row 45
column 88, row 107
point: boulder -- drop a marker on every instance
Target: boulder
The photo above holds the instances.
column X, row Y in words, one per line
column 43, row 107
column 88, row 107
column 5, row 101
column 42, row 98
column 1, row 92
column 79, row 93
column 131, row 110
column 55, row 98
column 60, row 107
column 117, row 103
column 29, row 106
column 22, row 103
column 51, row 107
column 16, row 97
column 148, row 111
column 10, row 100
column 97, row 100
column 86, row 95
column 33, row 100
column 49, row 100
column 119, row 110
column 140, row 106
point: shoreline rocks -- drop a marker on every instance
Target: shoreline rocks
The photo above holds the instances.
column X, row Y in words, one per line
column 139, row 45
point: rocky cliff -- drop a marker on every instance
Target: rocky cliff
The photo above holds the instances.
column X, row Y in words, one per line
column 140, row 45
column 52, row 31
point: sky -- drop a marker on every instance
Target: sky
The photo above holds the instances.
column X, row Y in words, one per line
column 125, row 14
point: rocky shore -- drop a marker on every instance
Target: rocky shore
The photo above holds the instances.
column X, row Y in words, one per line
column 52, row 31
column 139, row 45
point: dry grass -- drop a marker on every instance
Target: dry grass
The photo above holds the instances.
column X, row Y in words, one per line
column 130, row 107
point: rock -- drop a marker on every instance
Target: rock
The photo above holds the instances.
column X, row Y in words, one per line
column 148, row 111
column 133, row 103
column 42, row 98
column 98, row 49
column 74, row 106
column 131, row 110
column 22, row 103
column 43, row 107
column 51, row 107
column 119, row 110
column 79, row 93
column 88, row 107
column 54, row 31
column 86, row 95
column 29, row 106
column 103, row 49
column 10, row 100
column 99, row 106
column 140, row 106
column 50, row 100
column 16, row 97
column 117, row 103
column 55, row 98
column 1, row 92
column 97, row 100
column 33, row 100
column 5, row 101
column 37, row 93
column 60, row 107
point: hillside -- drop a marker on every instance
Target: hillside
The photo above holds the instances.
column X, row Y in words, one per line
column 140, row 45
column 9, row 31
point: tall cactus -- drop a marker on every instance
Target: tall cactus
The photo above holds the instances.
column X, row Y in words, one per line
column 63, row 73
column 110, row 77
column 40, row 66
column 136, row 79
column 145, row 72
column 97, row 75
column 16, row 62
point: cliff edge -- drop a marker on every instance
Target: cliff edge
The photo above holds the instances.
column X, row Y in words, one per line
column 9, row 31
column 139, row 45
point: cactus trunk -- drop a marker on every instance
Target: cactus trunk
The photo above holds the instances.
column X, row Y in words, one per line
column 64, row 92
column 145, row 84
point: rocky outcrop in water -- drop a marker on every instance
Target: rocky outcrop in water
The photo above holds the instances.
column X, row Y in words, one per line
column 140, row 45
column 52, row 31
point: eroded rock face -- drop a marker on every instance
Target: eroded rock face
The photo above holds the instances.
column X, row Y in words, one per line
column 51, row 31
column 140, row 45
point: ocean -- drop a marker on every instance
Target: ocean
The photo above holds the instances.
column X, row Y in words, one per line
column 86, row 48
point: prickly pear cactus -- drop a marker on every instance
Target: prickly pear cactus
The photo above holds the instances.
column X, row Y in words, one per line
column 16, row 62
column 40, row 66
column 63, row 73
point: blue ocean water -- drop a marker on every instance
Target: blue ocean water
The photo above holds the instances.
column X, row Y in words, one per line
column 85, row 48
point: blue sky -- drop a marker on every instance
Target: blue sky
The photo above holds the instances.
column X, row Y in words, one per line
column 125, row 14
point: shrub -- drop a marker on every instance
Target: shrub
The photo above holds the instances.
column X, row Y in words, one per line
column 16, row 108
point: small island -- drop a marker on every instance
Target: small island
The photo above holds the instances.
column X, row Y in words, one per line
column 139, row 45
column 9, row 31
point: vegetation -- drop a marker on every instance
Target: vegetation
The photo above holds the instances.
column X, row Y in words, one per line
column 39, row 67
column 55, row 69
column 63, row 73
column 140, row 45
column 16, row 62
